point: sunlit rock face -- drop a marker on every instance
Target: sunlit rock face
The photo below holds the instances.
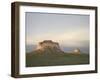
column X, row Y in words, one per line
column 48, row 44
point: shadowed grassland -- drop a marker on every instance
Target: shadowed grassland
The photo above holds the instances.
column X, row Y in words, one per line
column 34, row 59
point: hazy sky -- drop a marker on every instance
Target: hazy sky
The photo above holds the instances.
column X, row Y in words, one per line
column 66, row 29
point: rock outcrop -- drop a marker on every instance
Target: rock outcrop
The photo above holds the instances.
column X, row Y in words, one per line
column 77, row 51
column 49, row 46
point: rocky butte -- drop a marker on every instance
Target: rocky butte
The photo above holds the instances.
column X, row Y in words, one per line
column 49, row 45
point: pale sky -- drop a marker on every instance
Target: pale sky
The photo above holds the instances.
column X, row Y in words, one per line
column 66, row 29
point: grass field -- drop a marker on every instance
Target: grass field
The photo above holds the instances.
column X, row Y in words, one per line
column 34, row 59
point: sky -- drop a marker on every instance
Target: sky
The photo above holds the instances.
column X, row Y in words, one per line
column 68, row 30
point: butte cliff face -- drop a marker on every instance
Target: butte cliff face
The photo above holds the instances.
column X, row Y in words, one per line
column 48, row 46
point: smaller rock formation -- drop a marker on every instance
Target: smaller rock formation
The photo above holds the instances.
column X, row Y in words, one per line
column 77, row 51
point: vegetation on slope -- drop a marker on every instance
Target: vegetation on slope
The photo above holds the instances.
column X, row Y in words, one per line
column 53, row 57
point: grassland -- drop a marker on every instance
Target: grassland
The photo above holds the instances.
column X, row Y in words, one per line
column 34, row 59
